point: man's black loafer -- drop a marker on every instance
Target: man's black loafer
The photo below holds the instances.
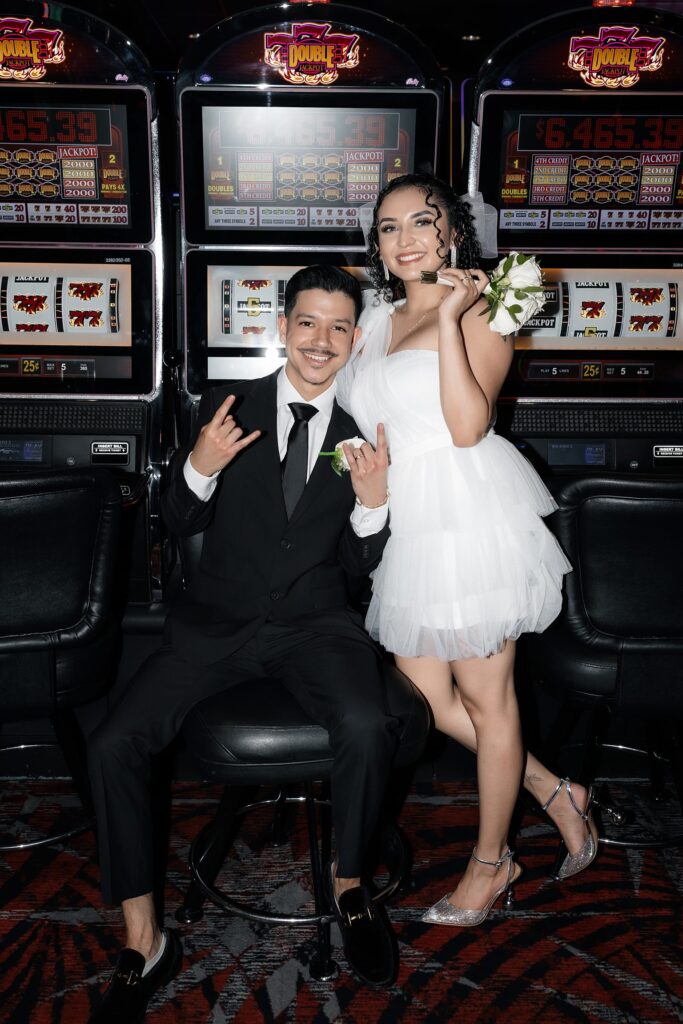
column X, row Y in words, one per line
column 370, row 945
column 127, row 994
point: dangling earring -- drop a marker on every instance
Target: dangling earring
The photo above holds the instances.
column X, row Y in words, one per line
column 454, row 254
column 386, row 271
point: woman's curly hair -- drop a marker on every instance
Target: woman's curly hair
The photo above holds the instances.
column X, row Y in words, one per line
column 440, row 197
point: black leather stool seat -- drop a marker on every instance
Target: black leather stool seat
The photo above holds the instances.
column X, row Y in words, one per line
column 257, row 733
column 560, row 660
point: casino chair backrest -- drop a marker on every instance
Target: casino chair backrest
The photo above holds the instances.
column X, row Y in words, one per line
column 59, row 636
column 619, row 637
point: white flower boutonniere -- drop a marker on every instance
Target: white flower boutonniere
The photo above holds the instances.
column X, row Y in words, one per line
column 514, row 293
column 340, row 463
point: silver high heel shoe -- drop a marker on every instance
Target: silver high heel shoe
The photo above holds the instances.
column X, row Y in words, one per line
column 444, row 912
column 575, row 862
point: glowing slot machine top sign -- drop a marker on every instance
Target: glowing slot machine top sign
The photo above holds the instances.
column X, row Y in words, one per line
column 310, row 54
column 616, row 57
column 25, row 50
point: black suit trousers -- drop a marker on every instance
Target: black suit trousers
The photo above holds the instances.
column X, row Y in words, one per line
column 336, row 679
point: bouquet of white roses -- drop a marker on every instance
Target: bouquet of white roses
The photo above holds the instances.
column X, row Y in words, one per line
column 514, row 292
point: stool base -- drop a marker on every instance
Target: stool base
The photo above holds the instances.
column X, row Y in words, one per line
column 210, row 848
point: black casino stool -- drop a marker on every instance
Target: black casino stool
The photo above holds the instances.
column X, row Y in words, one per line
column 256, row 735
column 59, row 632
column 617, row 645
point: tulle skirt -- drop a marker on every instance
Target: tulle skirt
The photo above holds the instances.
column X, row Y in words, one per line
column 470, row 563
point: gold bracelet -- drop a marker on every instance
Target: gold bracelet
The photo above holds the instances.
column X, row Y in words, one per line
column 381, row 504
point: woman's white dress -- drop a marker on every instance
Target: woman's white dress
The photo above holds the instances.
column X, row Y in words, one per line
column 469, row 562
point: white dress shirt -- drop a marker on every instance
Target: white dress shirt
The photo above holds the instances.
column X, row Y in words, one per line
column 365, row 521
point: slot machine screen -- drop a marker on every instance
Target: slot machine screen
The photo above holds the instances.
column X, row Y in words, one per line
column 252, row 170
column 232, row 328
column 604, row 332
column 74, row 165
column 81, row 326
column 564, row 174
column 232, row 331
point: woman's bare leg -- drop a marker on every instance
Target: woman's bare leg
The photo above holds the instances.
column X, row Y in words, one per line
column 488, row 682
column 487, row 692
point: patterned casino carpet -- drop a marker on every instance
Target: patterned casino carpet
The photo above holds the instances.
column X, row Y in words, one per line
column 604, row 947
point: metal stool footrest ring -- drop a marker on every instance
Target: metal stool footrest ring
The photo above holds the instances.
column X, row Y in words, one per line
column 241, row 909
column 56, row 837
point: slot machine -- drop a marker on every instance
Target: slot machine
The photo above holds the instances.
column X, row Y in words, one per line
column 81, row 262
column 578, row 142
column 291, row 119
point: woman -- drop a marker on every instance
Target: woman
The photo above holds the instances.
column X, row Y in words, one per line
column 470, row 564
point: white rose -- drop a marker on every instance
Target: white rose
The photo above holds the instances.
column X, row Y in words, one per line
column 524, row 274
column 339, row 457
column 503, row 322
column 508, row 293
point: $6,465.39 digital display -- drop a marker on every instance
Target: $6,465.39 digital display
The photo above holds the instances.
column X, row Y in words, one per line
column 578, row 132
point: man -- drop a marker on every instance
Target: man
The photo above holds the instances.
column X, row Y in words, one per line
column 281, row 529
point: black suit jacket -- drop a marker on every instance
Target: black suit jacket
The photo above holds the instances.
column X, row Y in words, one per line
column 255, row 564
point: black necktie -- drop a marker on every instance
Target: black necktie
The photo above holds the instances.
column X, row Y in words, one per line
column 295, row 462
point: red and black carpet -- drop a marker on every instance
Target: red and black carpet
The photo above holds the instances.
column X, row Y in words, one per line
column 604, row 946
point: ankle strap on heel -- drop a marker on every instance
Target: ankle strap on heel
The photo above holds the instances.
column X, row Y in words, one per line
column 494, row 863
column 567, row 784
